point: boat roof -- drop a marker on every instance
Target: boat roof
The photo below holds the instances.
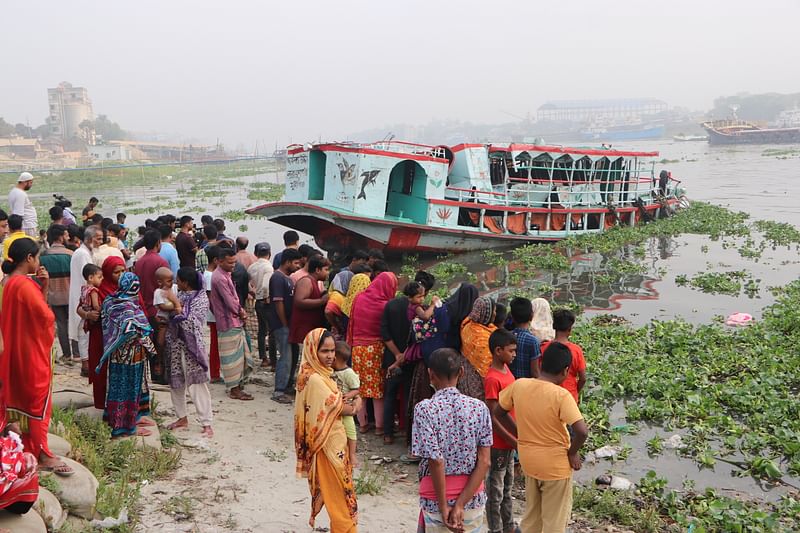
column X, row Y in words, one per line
column 568, row 150
column 398, row 149
column 427, row 152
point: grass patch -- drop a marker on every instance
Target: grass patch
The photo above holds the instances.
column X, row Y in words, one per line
column 371, row 481
column 119, row 465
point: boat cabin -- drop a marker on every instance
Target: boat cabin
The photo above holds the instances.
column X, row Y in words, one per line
column 509, row 189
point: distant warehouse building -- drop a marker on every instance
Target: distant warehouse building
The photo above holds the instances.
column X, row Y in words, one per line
column 114, row 152
column 589, row 110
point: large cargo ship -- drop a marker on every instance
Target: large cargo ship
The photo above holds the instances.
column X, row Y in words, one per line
column 735, row 131
column 406, row 197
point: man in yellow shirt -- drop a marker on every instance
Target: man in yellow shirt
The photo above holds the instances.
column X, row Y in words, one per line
column 545, row 452
column 15, row 228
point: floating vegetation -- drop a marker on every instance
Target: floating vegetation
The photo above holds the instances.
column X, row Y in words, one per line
column 778, row 233
column 733, row 391
column 720, row 282
column 781, row 153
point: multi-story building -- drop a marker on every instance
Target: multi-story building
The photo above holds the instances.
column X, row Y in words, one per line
column 69, row 107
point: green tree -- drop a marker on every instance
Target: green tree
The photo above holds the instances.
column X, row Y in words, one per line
column 108, row 130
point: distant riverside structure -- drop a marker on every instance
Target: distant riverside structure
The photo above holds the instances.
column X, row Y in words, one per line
column 589, row 110
column 69, row 106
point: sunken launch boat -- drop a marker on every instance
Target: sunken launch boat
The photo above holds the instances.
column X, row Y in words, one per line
column 406, row 197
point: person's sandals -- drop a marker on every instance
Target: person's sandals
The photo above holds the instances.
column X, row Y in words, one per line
column 178, row 425
column 63, row 469
column 365, row 428
column 207, row 432
column 240, row 395
column 145, row 423
column 378, row 432
column 410, row 459
column 282, row 398
column 388, row 439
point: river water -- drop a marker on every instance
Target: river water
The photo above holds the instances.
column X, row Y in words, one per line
column 741, row 178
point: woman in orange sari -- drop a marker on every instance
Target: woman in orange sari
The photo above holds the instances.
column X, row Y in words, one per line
column 475, row 332
column 26, row 364
column 319, row 436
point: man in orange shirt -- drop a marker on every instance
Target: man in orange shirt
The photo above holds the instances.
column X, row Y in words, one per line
column 547, row 454
column 563, row 320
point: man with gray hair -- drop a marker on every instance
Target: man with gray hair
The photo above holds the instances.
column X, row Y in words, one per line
column 21, row 205
column 79, row 339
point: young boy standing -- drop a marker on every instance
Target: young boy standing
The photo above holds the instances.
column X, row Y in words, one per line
column 526, row 363
column 547, row 454
column 452, row 434
column 499, row 507
column 563, row 320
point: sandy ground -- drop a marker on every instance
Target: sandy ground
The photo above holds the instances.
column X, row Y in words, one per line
column 243, row 479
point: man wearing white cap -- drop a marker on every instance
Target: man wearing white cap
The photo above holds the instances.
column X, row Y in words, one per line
column 21, row 205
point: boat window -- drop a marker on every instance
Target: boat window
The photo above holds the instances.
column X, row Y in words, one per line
column 540, row 168
column 583, row 168
column 497, row 170
column 562, row 171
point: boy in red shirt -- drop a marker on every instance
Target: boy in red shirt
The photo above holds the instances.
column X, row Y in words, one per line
column 563, row 320
column 499, row 507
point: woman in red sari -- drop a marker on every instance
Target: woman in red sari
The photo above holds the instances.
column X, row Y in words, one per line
column 113, row 268
column 26, row 364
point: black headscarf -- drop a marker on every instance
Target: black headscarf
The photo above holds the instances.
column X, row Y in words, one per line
column 460, row 303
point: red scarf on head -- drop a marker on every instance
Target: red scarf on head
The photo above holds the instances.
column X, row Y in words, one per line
column 25, row 365
column 364, row 326
column 107, row 286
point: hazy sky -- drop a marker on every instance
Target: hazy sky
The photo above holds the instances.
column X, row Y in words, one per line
column 243, row 71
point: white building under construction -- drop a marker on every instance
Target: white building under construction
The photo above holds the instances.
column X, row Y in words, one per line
column 68, row 107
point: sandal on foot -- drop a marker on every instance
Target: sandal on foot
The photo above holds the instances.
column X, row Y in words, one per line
column 388, row 439
column 282, row 398
column 410, row 459
column 141, row 432
column 241, row 395
column 145, row 423
column 379, row 432
column 63, row 469
column 365, row 429
column 207, row 432
column 178, row 425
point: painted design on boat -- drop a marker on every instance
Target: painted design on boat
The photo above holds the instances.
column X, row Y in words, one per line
column 409, row 197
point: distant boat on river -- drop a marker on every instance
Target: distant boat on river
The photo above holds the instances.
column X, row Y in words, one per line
column 736, row 131
column 407, row 197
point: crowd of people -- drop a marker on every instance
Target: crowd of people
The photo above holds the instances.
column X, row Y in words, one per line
column 473, row 386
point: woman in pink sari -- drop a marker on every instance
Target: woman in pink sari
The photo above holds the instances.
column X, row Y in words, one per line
column 365, row 339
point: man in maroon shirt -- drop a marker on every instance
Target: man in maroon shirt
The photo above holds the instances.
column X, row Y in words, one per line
column 185, row 243
column 146, row 270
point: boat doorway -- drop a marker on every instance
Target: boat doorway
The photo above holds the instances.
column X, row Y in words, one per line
column 405, row 196
column 316, row 174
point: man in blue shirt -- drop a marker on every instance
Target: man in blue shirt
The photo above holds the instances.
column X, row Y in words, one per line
column 168, row 251
column 525, row 364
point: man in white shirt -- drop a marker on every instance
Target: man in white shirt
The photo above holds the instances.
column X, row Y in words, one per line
column 21, row 205
column 92, row 238
column 260, row 272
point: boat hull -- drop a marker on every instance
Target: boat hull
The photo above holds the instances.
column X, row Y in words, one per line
column 335, row 232
column 765, row 136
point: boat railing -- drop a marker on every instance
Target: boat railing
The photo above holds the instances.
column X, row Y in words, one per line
column 409, row 148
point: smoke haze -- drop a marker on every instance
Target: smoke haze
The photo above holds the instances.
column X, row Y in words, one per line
column 274, row 72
